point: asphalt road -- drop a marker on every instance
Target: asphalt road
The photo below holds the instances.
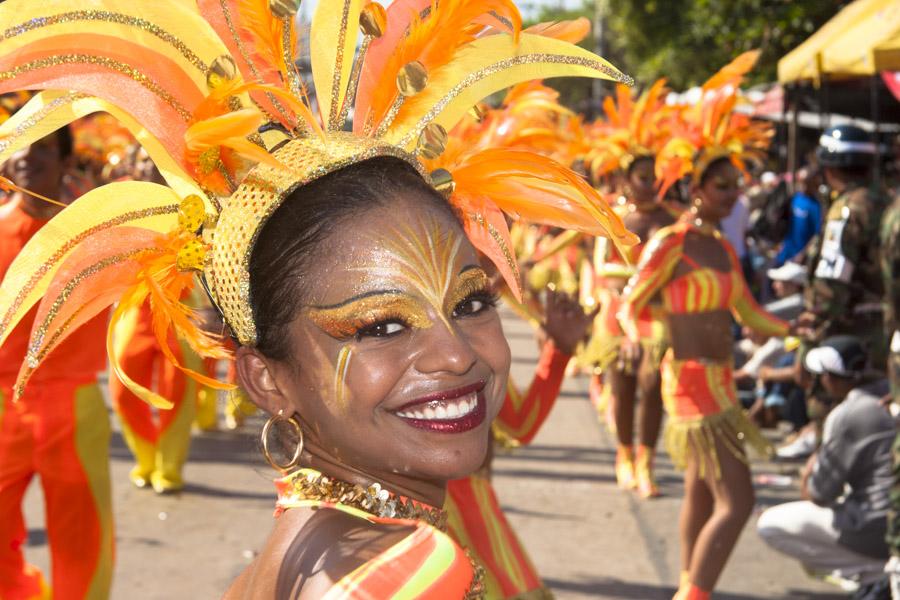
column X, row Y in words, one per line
column 588, row 539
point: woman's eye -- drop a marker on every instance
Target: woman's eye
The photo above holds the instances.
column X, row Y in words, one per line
column 471, row 306
column 383, row 329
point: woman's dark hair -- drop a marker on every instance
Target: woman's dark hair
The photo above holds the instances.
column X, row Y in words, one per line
column 713, row 165
column 65, row 141
column 293, row 236
column 638, row 159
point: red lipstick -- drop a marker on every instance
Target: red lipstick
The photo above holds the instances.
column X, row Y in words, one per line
column 451, row 411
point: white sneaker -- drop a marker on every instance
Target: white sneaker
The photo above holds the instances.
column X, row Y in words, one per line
column 801, row 447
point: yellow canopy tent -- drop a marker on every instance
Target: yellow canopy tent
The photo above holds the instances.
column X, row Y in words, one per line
column 862, row 39
column 868, row 48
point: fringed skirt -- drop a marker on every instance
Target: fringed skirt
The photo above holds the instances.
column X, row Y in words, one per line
column 602, row 350
column 701, row 401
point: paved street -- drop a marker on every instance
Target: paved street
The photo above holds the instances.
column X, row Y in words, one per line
column 588, row 539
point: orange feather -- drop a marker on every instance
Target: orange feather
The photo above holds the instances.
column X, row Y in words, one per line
column 434, row 42
column 572, row 31
column 268, row 30
column 733, row 73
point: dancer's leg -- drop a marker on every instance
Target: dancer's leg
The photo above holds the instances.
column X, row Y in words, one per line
column 733, row 504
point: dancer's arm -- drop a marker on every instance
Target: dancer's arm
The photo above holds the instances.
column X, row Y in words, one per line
column 522, row 415
column 748, row 312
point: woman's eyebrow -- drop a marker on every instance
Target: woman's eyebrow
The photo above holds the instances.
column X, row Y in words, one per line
column 358, row 297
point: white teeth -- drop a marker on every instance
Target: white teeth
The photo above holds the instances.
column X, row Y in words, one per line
column 448, row 410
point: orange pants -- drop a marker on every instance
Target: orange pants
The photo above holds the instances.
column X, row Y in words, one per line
column 160, row 442
column 60, row 431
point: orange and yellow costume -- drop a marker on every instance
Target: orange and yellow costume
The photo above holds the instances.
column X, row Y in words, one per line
column 475, row 518
column 59, row 430
column 699, row 396
column 424, row 564
column 159, row 443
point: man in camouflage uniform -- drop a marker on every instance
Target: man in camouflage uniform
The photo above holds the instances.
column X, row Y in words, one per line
column 845, row 291
column 890, row 268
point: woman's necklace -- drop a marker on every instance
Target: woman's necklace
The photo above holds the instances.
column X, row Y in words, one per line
column 703, row 226
column 309, row 484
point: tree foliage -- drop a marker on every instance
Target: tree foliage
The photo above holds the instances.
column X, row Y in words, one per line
column 688, row 40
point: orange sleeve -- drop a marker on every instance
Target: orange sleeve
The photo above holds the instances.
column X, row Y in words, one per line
column 657, row 262
column 522, row 416
column 747, row 311
column 426, row 564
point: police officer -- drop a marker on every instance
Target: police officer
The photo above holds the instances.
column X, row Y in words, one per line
column 845, row 291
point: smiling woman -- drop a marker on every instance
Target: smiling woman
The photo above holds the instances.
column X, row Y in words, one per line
column 381, row 338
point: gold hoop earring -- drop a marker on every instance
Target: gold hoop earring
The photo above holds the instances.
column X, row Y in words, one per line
column 265, row 442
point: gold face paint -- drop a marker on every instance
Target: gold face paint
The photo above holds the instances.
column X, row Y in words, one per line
column 340, row 376
column 425, row 258
column 347, row 319
column 425, row 261
column 470, row 282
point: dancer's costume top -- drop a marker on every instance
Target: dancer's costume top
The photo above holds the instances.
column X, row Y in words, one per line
column 211, row 91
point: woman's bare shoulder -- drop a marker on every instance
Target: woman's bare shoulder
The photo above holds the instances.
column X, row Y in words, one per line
column 311, row 550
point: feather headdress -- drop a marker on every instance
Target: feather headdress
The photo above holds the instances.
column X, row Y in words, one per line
column 630, row 128
column 713, row 129
column 211, row 90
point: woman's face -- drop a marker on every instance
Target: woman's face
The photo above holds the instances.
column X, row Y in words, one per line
column 642, row 180
column 719, row 191
column 399, row 363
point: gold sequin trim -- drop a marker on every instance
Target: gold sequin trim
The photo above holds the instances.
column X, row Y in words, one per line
column 309, row 484
column 498, row 239
column 526, row 59
column 334, row 121
column 350, row 97
column 113, row 65
column 258, row 196
column 109, row 17
column 390, row 116
column 501, row 18
column 293, row 76
column 71, row 243
column 37, row 117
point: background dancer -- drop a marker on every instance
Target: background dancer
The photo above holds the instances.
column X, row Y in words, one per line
column 58, row 428
column 624, row 145
column 700, row 282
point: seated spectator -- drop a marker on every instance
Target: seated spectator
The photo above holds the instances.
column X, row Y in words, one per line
column 839, row 528
column 806, row 217
column 769, row 368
